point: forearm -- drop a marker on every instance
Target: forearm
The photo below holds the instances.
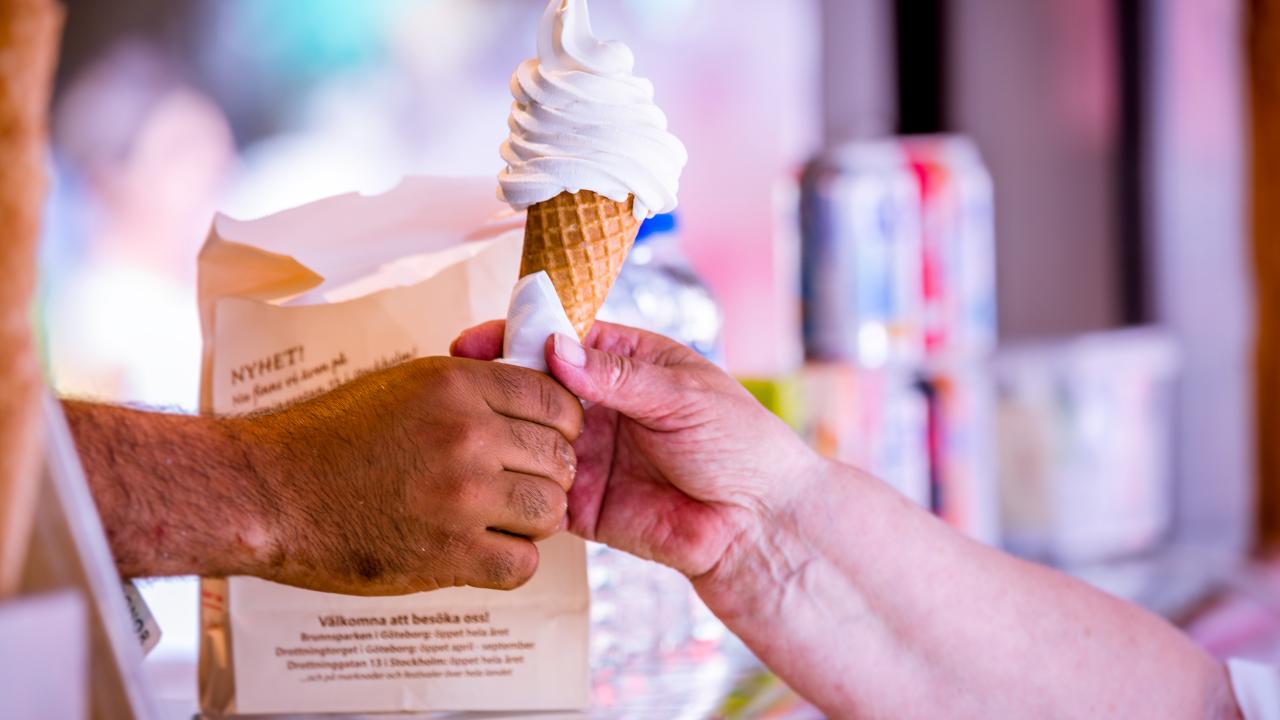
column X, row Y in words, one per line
column 871, row 607
column 178, row 495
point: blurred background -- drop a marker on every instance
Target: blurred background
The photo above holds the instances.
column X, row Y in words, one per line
column 996, row 251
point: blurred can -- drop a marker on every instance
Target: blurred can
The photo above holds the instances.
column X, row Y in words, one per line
column 876, row 420
column 964, row 485
column 958, row 284
column 861, row 254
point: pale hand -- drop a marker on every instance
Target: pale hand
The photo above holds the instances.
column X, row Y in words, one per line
column 677, row 461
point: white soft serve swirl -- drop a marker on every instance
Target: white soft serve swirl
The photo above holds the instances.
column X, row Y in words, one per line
column 582, row 121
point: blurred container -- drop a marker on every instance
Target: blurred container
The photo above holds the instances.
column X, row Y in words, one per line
column 958, row 242
column 876, row 420
column 899, row 314
column 958, row 291
column 658, row 291
column 861, row 255
column 1085, row 446
column 965, row 489
column 641, row 612
column 784, row 397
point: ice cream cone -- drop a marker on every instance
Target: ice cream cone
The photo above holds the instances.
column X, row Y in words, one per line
column 580, row 240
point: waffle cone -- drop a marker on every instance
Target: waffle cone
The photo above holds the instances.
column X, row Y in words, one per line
column 580, row 240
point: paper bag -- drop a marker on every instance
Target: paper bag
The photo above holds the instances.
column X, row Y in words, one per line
column 296, row 304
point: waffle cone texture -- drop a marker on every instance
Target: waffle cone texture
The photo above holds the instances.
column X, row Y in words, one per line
column 581, row 240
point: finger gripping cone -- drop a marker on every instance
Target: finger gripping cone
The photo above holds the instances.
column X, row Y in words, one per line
column 581, row 240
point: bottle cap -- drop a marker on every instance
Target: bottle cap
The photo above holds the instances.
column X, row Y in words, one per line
column 656, row 225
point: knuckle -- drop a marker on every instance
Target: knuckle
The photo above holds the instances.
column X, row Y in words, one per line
column 509, row 569
column 619, row 371
column 443, row 381
column 468, row 440
column 423, row 365
column 563, row 451
column 508, row 380
column 673, row 354
column 524, row 565
column 522, row 436
column 546, row 449
column 531, row 501
column 550, row 399
column 548, row 442
column 560, row 510
column 433, row 368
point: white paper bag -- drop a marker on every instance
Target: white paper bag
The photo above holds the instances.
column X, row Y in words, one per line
column 296, row 304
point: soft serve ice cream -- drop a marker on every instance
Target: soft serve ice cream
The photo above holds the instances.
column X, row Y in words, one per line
column 589, row 158
column 582, row 121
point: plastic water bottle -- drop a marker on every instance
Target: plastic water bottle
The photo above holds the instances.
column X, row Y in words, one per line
column 659, row 291
column 644, row 613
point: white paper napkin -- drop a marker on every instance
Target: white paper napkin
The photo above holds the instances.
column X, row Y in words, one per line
column 535, row 315
column 1257, row 689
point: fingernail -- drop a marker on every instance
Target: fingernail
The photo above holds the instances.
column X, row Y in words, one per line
column 570, row 351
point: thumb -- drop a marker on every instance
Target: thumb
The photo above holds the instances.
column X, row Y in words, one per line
column 638, row 389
